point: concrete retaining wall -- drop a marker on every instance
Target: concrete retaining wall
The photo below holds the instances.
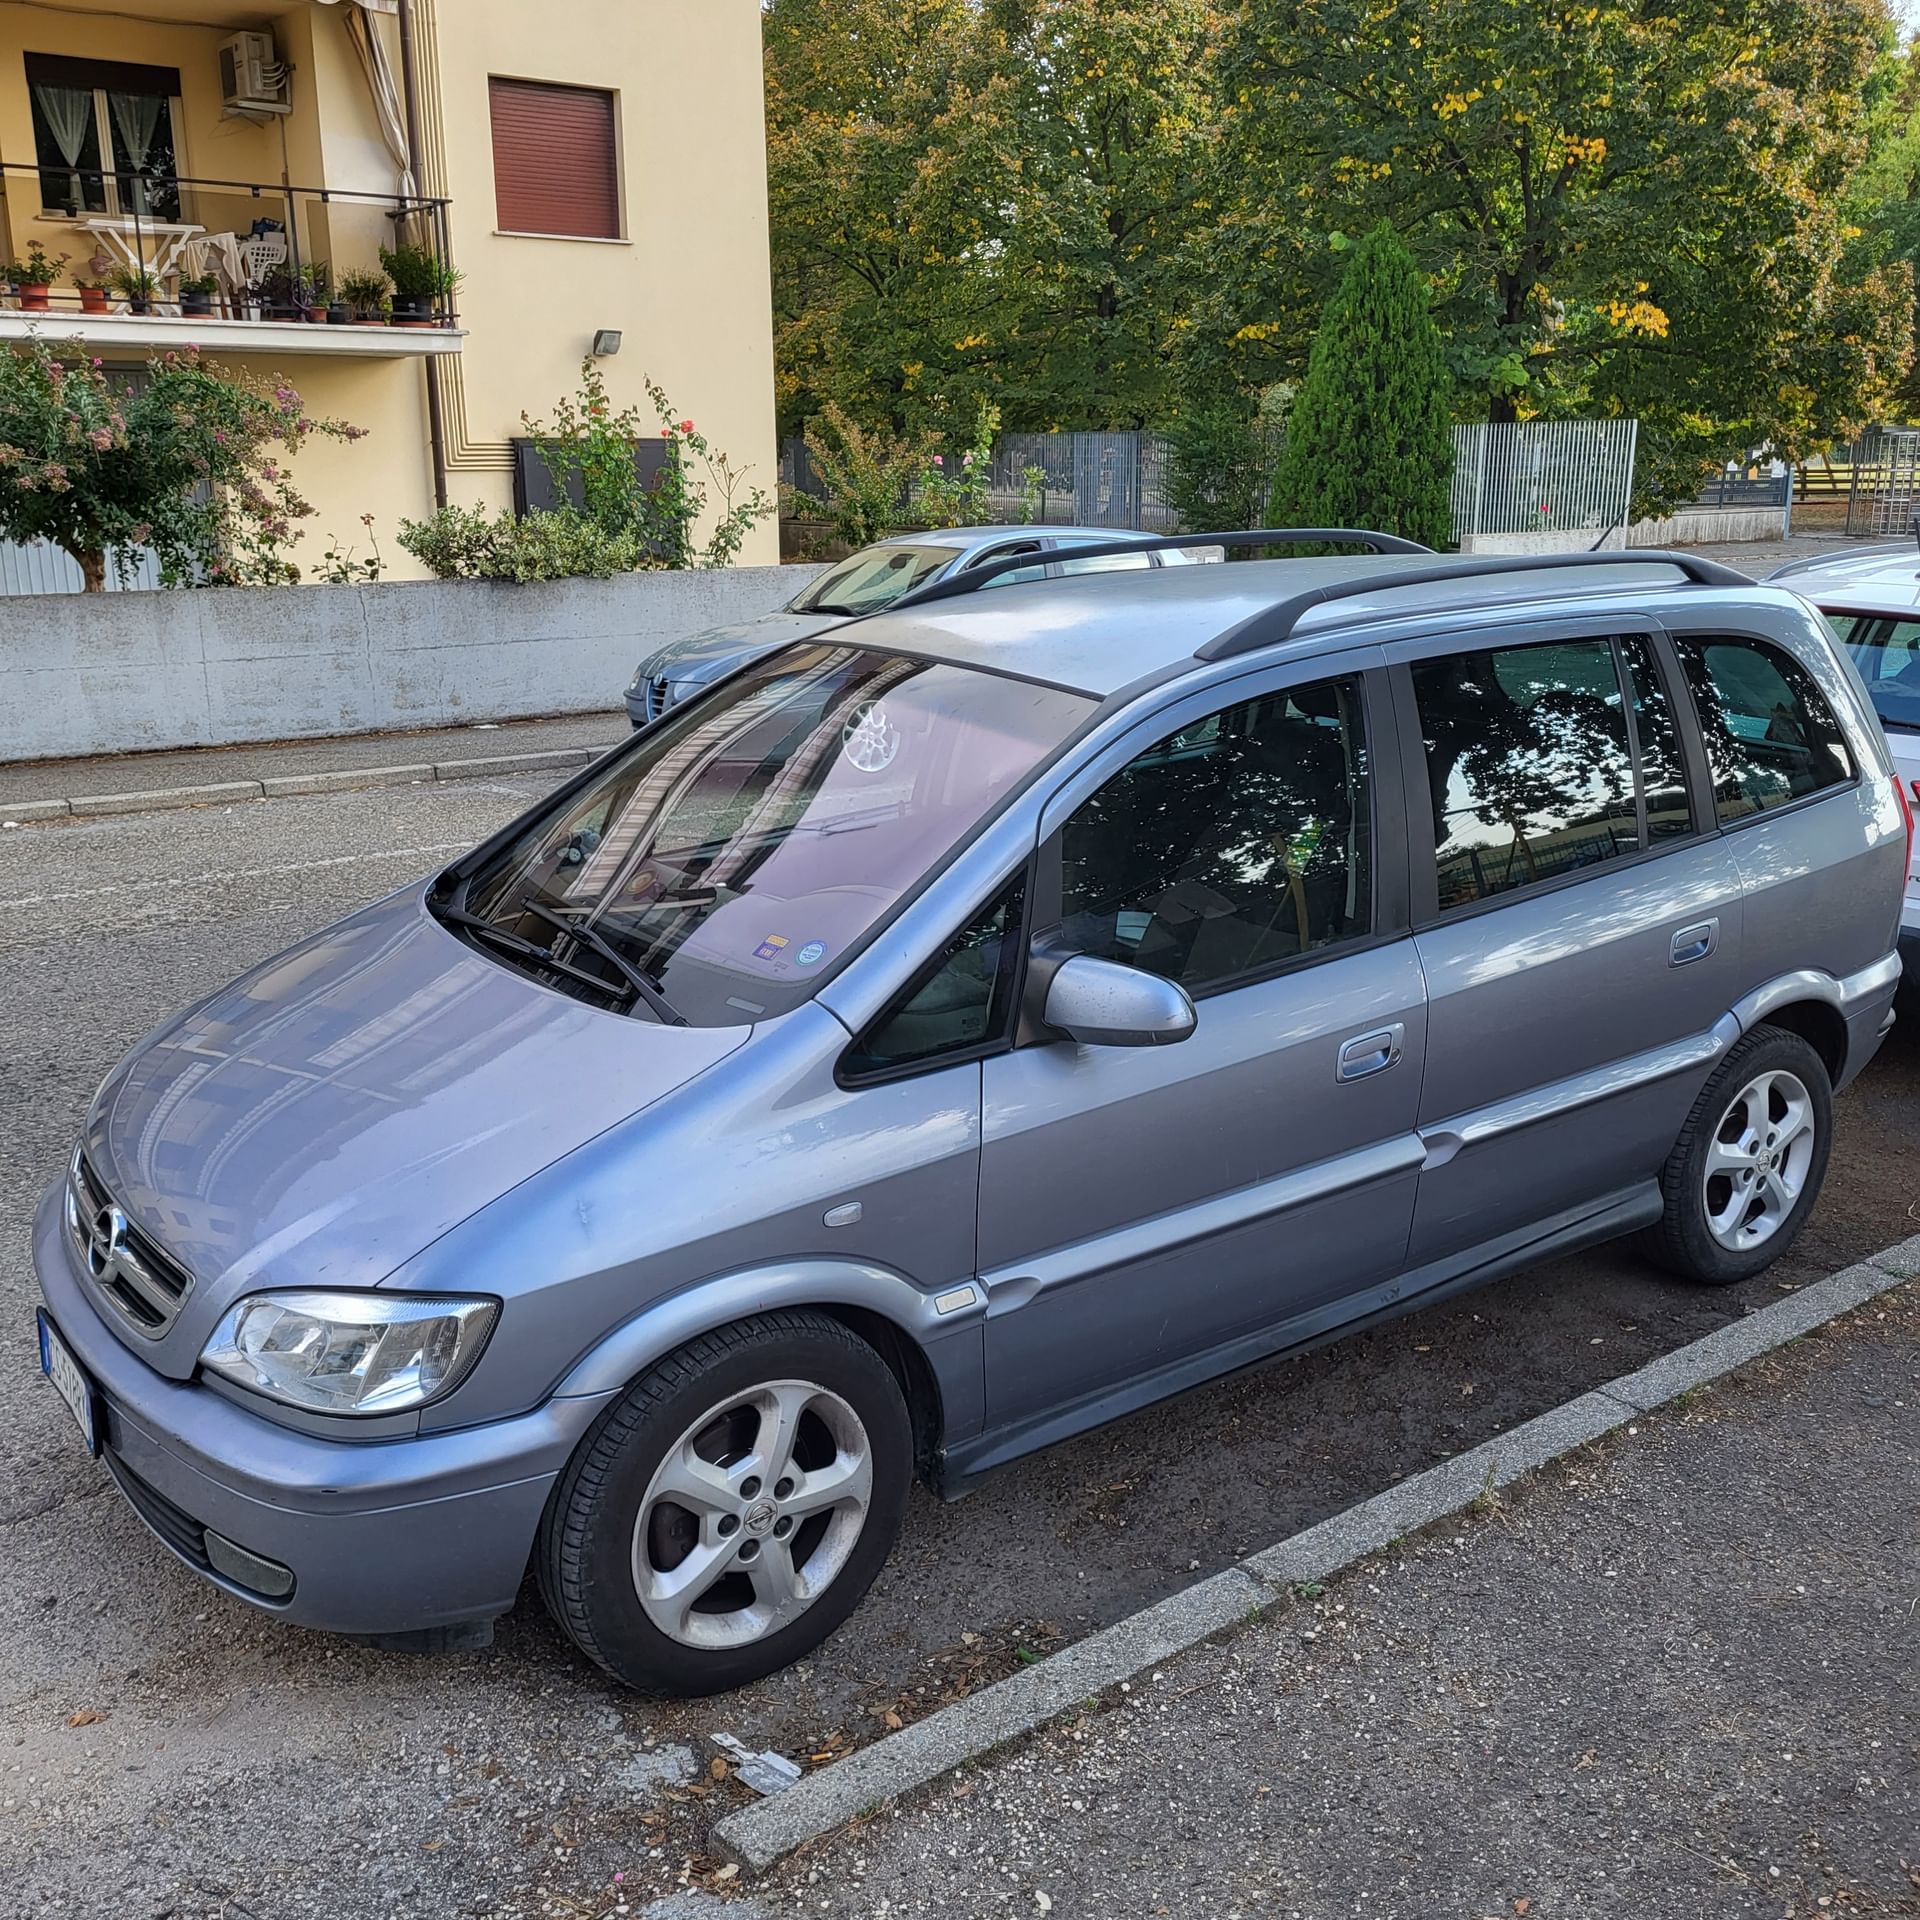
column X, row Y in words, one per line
column 109, row 673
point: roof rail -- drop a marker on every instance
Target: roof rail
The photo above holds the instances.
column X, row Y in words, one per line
column 972, row 579
column 1276, row 623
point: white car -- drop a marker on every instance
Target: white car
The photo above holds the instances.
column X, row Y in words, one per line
column 1872, row 597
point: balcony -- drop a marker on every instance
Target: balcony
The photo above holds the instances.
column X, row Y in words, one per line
column 167, row 260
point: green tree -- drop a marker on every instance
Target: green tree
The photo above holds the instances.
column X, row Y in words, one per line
column 1622, row 210
column 1370, row 440
column 985, row 203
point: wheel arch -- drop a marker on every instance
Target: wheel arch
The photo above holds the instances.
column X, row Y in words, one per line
column 1821, row 1024
column 935, row 1358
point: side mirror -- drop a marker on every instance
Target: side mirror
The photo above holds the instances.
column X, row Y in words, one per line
column 1103, row 1004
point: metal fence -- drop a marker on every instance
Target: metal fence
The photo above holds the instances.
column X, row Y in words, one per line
column 1542, row 476
column 1082, row 479
column 1883, row 481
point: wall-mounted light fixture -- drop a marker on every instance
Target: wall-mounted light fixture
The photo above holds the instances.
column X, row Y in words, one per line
column 606, row 340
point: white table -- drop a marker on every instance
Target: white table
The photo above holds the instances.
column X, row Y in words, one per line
column 159, row 241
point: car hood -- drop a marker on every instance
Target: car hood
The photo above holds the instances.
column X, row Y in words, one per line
column 332, row 1112
column 706, row 656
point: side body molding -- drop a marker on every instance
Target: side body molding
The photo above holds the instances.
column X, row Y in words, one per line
column 950, row 1341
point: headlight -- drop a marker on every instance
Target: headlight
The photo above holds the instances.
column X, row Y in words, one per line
column 350, row 1353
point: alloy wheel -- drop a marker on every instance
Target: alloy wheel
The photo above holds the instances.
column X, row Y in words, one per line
column 1758, row 1161
column 752, row 1514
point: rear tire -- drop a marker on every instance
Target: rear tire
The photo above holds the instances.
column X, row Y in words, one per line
column 1748, row 1166
column 731, row 1508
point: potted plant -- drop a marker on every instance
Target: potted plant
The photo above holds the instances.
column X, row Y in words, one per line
column 139, row 285
column 313, row 287
column 93, row 294
column 280, row 293
column 34, row 275
column 196, row 293
column 365, row 294
column 420, row 279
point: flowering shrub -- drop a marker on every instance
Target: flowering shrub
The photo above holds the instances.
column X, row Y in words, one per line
column 192, row 465
column 591, row 448
column 953, row 493
column 465, row 543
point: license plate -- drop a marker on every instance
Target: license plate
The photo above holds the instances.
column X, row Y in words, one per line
column 70, row 1380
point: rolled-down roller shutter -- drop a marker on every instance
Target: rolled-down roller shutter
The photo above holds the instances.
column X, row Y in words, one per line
column 554, row 162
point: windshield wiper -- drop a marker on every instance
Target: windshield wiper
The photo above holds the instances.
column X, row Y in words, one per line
column 624, row 991
column 590, row 936
column 833, row 606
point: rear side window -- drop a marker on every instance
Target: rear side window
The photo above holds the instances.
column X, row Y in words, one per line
column 1529, row 763
column 1771, row 737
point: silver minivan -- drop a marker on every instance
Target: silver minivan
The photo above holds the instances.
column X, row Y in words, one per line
column 955, row 1031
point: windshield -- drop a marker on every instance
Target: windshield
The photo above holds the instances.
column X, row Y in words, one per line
column 1887, row 652
column 735, row 854
column 873, row 578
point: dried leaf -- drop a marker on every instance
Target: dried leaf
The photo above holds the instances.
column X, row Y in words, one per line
column 891, row 1721
column 718, row 1768
column 86, row 1717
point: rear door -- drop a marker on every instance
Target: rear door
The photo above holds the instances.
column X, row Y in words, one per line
column 1577, row 916
column 1150, row 1215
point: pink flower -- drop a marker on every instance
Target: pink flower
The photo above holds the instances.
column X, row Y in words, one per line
column 102, row 439
column 939, row 460
column 666, row 433
column 686, row 426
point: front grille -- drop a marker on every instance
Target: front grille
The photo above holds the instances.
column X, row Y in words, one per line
column 656, row 697
column 178, row 1528
column 143, row 1283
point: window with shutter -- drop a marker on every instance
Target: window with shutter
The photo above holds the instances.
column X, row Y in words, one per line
column 554, row 159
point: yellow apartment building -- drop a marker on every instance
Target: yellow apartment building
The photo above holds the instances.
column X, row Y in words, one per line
column 591, row 168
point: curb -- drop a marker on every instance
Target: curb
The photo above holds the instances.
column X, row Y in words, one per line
column 759, row 1836
column 276, row 786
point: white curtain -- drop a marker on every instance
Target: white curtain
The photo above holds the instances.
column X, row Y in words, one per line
column 136, row 118
column 68, row 112
column 381, row 83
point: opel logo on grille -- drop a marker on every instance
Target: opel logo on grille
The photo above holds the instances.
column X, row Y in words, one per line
column 106, row 1239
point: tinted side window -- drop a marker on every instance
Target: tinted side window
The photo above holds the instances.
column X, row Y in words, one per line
column 1528, row 763
column 1657, row 734
column 1770, row 735
column 1233, row 845
column 960, row 1003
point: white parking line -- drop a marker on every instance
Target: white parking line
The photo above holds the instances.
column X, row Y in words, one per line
column 229, row 873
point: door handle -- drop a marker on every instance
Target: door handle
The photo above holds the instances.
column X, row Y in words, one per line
column 1694, row 943
column 1369, row 1053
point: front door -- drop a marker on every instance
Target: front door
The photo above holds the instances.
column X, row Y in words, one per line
column 1145, row 1214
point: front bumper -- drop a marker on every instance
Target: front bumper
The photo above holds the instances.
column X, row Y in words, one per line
column 380, row 1536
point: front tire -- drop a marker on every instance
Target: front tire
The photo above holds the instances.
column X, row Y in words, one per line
column 731, row 1508
column 1748, row 1166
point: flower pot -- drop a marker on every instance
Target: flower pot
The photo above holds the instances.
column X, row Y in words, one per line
column 139, row 303
column 195, row 304
column 412, row 309
column 337, row 314
column 33, row 297
column 93, row 300
column 315, row 316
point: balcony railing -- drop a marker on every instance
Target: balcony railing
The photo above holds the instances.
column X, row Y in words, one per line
column 170, row 244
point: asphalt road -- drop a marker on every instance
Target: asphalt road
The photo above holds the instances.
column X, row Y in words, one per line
column 238, row 1767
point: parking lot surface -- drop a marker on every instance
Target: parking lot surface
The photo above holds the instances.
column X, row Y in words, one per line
column 167, row 1751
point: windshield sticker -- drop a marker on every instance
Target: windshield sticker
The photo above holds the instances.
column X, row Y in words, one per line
column 869, row 740
column 772, row 947
column 811, row 954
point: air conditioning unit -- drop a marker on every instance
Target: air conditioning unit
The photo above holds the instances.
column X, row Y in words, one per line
column 252, row 79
